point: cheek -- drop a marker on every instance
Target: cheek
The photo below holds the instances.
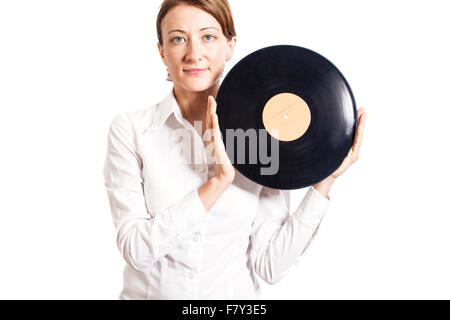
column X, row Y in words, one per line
column 173, row 57
column 218, row 58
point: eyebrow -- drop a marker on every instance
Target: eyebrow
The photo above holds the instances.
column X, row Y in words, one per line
column 182, row 31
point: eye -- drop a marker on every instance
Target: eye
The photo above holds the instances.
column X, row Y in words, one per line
column 209, row 37
column 177, row 39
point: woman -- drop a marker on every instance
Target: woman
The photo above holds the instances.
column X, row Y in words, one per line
column 198, row 229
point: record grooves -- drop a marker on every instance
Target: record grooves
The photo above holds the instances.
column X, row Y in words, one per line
column 302, row 95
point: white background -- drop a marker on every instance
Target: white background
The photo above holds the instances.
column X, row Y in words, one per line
column 66, row 67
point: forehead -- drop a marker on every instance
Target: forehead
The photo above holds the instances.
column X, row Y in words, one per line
column 188, row 17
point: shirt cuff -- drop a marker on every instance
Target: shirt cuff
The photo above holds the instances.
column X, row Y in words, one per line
column 200, row 203
column 312, row 208
column 190, row 214
column 319, row 194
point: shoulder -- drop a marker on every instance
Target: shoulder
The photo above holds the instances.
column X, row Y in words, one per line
column 137, row 121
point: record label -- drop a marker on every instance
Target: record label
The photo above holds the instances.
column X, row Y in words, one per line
column 286, row 116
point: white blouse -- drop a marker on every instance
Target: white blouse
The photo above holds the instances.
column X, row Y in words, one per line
column 173, row 247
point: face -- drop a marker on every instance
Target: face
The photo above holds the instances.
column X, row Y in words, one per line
column 193, row 39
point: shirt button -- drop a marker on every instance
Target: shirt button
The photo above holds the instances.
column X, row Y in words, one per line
column 195, row 238
column 191, row 275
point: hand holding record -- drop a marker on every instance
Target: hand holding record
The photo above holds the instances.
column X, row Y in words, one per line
column 353, row 154
column 324, row 186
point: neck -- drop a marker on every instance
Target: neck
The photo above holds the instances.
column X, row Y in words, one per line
column 193, row 105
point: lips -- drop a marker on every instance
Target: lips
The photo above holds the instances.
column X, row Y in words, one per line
column 195, row 70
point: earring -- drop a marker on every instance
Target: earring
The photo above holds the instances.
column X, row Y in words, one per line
column 169, row 78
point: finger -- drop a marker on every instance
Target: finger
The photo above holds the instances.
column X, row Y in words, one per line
column 361, row 125
column 360, row 128
column 353, row 153
column 359, row 137
column 210, row 127
column 214, row 104
column 219, row 147
column 208, row 113
column 217, row 131
column 349, row 154
column 215, row 122
column 361, row 111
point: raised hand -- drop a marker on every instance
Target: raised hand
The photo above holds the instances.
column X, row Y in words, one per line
column 223, row 169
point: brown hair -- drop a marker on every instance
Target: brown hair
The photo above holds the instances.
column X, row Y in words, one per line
column 219, row 9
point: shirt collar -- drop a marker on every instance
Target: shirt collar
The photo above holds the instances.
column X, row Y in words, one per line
column 166, row 107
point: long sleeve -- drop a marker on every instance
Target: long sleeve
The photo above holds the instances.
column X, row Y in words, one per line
column 279, row 239
column 143, row 237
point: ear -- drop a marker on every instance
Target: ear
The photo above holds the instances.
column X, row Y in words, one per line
column 231, row 45
column 161, row 52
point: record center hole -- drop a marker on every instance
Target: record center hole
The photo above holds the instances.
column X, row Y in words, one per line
column 286, row 116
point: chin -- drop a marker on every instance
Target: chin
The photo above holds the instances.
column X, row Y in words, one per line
column 197, row 85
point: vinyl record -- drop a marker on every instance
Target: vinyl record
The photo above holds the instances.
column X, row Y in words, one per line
column 287, row 116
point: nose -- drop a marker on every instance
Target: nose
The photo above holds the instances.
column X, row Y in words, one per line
column 194, row 51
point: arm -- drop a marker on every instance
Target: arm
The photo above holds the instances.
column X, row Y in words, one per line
column 278, row 239
column 142, row 237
